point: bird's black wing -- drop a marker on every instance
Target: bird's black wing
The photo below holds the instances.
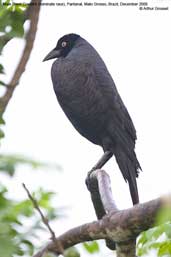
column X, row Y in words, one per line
column 119, row 120
column 120, row 133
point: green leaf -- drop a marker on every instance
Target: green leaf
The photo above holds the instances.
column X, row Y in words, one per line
column 5, row 20
column 7, row 246
column 2, row 83
column 167, row 229
column 142, row 239
column 1, row 69
column 164, row 215
column 91, row 247
column 8, row 168
column 1, row 133
column 21, row 7
column 16, row 239
column 2, row 122
column 12, row 16
column 28, row 245
column 158, row 238
column 23, row 208
column 165, row 248
column 9, row 163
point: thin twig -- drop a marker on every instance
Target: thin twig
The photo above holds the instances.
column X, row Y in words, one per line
column 36, row 206
column 45, row 220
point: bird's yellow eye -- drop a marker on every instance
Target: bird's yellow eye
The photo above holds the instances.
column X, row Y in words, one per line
column 64, row 44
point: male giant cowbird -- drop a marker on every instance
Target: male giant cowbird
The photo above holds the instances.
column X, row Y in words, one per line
column 88, row 96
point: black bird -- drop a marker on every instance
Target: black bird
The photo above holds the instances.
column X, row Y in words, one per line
column 88, row 96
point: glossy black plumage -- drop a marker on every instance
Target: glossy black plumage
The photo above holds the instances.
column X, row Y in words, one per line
column 88, row 96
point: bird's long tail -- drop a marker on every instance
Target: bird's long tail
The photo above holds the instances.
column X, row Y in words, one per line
column 130, row 168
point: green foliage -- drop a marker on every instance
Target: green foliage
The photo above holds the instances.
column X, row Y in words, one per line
column 20, row 225
column 11, row 21
column 152, row 239
column 15, row 237
column 1, row 133
column 91, row 247
column 163, row 215
column 157, row 238
column 12, row 18
column 2, row 122
column 1, row 69
column 9, row 163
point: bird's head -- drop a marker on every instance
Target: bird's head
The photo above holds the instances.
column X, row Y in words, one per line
column 63, row 47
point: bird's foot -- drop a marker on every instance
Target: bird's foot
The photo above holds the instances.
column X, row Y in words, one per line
column 105, row 157
column 88, row 178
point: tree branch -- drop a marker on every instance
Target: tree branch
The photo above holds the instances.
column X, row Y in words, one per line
column 98, row 183
column 120, row 226
column 33, row 16
column 101, row 180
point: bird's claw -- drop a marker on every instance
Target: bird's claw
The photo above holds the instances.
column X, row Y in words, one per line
column 88, row 178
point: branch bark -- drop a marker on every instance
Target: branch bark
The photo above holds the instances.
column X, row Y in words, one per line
column 98, row 183
column 33, row 16
column 120, row 226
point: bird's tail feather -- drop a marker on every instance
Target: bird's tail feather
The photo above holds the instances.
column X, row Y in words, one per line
column 129, row 168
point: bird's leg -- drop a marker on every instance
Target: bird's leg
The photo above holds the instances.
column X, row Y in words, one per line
column 105, row 157
column 101, row 162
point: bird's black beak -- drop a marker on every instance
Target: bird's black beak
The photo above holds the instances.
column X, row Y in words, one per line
column 53, row 54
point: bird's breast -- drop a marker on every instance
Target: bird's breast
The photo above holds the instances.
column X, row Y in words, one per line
column 71, row 82
column 79, row 97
